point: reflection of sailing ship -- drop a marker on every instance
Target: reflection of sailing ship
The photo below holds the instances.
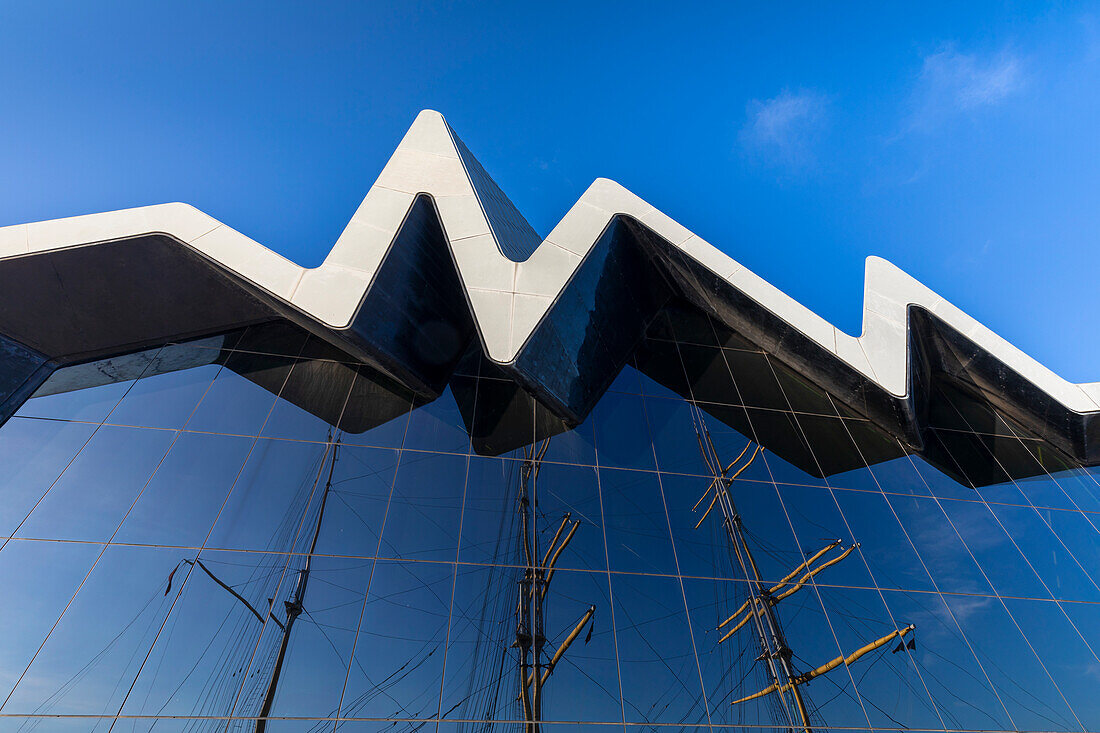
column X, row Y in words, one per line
column 759, row 609
column 293, row 607
column 533, row 589
column 159, row 615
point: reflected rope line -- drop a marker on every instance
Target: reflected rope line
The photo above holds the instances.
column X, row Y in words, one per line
column 1026, row 559
column 225, row 502
column 1004, row 606
column 997, row 693
column 400, row 455
column 307, row 504
column 893, row 621
column 678, row 349
column 421, row 721
column 928, row 703
column 456, row 563
column 95, row 430
column 95, row 563
column 940, row 595
column 428, row 452
column 80, row 673
column 195, row 666
column 767, row 598
column 397, row 559
column 988, row 685
column 192, row 565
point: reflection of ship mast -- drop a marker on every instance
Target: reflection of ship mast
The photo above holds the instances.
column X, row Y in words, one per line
column 294, row 606
column 533, row 587
column 760, row 606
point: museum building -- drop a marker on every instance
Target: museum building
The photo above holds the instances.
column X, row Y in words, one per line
column 463, row 478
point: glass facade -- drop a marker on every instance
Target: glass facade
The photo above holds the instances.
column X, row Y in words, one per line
column 249, row 533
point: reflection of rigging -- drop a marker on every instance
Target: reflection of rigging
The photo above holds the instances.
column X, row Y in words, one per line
column 533, row 588
column 163, row 617
column 293, row 607
column 202, row 566
column 759, row 608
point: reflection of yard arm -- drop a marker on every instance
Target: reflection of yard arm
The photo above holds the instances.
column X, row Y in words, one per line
column 727, row 480
column 549, row 561
column 540, row 566
column 238, row 596
column 783, row 582
column 805, row 578
column 806, row 564
column 557, row 536
column 830, row 666
column 774, row 599
column 294, row 607
column 548, row 568
column 564, row 646
column 775, row 652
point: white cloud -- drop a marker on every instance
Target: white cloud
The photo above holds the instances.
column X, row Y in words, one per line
column 953, row 83
column 783, row 129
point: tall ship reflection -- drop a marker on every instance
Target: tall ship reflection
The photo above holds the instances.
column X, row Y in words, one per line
column 760, row 608
column 536, row 662
column 460, row 478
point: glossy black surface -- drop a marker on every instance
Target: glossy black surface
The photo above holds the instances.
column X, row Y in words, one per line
column 22, row 370
column 414, row 325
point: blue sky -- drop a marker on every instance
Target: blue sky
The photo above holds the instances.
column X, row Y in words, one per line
column 957, row 140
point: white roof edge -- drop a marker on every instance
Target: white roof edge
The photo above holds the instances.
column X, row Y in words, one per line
column 508, row 299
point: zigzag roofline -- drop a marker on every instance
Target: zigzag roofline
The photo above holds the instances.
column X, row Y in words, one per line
column 535, row 317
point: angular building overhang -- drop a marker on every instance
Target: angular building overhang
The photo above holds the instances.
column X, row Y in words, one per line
column 437, row 256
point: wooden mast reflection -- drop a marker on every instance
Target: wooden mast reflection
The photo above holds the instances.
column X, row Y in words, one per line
column 533, row 588
column 759, row 608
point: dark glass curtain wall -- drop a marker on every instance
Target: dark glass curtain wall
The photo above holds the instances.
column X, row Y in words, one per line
column 251, row 528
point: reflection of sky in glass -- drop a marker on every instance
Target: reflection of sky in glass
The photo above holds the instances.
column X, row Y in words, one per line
column 157, row 534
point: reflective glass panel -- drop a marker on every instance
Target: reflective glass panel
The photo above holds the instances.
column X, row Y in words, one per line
column 256, row 526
